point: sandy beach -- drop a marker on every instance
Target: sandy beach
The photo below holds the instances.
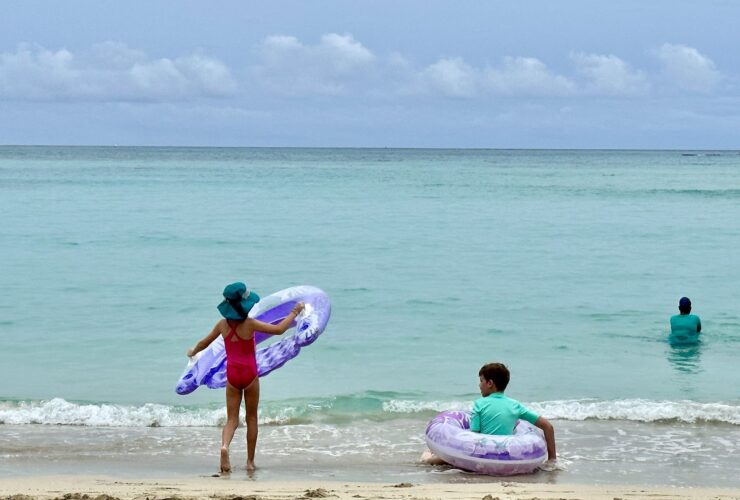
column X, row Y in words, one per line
column 233, row 488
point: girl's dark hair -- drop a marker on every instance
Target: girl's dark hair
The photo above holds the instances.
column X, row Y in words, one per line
column 237, row 305
column 496, row 373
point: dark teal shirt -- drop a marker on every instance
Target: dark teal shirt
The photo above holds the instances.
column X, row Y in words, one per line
column 685, row 328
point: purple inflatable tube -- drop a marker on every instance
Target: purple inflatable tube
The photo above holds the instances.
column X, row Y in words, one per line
column 209, row 366
column 449, row 437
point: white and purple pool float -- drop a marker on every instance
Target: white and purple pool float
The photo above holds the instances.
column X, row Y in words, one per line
column 208, row 367
column 449, row 437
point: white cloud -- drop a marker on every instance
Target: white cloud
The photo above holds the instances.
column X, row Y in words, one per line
column 527, row 76
column 517, row 76
column 208, row 76
column 291, row 67
column 336, row 64
column 157, row 77
column 610, row 75
column 688, row 68
column 344, row 53
column 37, row 73
column 449, row 77
column 109, row 72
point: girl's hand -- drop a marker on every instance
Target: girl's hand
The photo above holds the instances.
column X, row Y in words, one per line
column 298, row 308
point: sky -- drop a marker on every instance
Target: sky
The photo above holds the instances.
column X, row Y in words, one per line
column 372, row 73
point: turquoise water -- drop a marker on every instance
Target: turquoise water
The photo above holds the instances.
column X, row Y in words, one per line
column 565, row 265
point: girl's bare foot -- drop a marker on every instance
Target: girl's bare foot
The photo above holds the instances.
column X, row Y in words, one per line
column 250, row 466
column 225, row 463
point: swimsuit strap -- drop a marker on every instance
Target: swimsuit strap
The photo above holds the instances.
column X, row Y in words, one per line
column 232, row 331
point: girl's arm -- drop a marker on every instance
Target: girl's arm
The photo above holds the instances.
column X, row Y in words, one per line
column 279, row 329
column 206, row 341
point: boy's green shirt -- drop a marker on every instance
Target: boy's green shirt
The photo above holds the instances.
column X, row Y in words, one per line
column 497, row 414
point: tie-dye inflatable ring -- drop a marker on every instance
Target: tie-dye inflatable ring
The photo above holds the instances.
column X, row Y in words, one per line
column 209, row 366
column 449, row 437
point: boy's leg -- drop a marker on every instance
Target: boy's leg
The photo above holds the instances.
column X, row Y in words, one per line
column 251, row 403
column 233, row 402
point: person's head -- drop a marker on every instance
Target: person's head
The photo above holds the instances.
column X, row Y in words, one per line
column 684, row 305
column 494, row 377
column 238, row 301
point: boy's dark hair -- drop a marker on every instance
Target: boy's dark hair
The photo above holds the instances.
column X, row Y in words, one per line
column 496, row 373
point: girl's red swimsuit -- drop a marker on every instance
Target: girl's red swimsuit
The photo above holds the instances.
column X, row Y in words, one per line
column 241, row 363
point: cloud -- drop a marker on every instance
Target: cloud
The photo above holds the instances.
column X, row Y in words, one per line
column 688, row 68
column 527, row 76
column 335, row 65
column 449, row 77
column 191, row 75
column 609, row 75
column 109, row 72
column 291, row 67
column 37, row 74
column 517, row 76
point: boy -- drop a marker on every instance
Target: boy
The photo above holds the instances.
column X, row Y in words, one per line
column 497, row 414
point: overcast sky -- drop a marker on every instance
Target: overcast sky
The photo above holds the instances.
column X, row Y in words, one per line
column 396, row 73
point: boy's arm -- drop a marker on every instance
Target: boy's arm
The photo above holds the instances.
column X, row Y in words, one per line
column 698, row 325
column 549, row 431
column 475, row 418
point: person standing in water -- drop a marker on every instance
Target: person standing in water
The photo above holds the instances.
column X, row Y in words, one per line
column 685, row 327
column 242, row 378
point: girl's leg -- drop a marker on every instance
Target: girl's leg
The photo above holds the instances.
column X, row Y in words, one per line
column 233, row 402
column 251, row 402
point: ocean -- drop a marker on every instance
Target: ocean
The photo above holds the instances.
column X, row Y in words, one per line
column 564, row 265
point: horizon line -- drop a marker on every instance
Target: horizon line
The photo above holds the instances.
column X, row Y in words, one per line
column 438, row 148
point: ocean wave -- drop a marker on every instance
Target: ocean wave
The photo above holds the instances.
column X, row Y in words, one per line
column 344, row 410
column 640, row 410
column 636, row 410
column 58, row 411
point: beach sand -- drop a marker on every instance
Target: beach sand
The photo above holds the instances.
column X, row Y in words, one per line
column 238, row 487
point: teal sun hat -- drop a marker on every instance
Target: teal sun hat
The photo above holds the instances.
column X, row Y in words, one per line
column 238, row 300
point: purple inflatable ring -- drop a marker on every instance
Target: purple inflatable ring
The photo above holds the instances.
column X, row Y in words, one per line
column 209, row 366
column 449, row 437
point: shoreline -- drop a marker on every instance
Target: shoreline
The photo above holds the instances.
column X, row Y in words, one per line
column 240, row 486
column 600, row 453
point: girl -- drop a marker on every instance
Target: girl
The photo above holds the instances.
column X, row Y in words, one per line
column 241, row 365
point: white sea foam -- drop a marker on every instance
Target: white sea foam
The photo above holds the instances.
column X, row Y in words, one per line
column 60, row 412
column 639, row 410
column 410, row 406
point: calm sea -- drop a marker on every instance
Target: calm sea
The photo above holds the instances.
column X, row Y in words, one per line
column 565, row 265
